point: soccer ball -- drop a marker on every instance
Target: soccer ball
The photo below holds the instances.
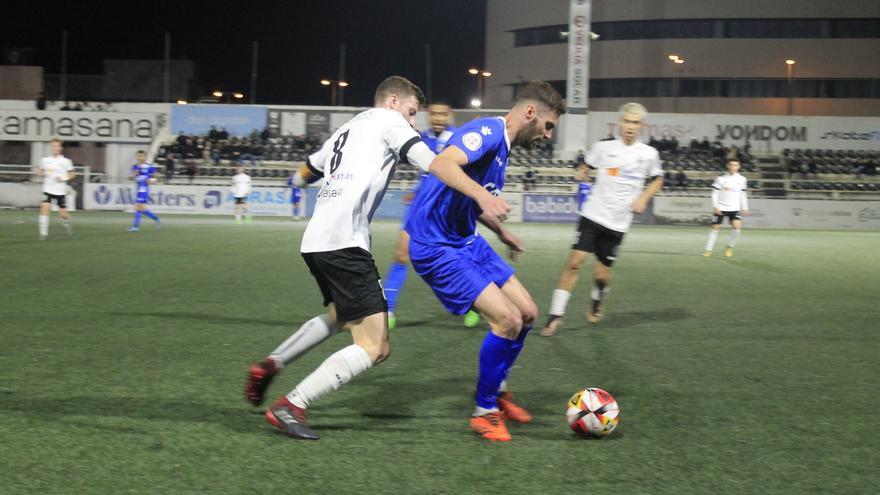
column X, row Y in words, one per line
column 592, row 413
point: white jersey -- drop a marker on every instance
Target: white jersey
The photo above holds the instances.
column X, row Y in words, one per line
column 241, row 185
column 729, row 193
column 357, row 163
column 55, row 168
column 621, row 171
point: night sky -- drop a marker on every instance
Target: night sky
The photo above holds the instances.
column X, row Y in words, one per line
column 299, row 42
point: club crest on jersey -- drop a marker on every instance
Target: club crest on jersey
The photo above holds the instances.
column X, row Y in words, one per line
column 472, row 141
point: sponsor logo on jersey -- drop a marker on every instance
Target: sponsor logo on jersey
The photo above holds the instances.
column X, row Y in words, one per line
column 486, row 131
column 472, row 141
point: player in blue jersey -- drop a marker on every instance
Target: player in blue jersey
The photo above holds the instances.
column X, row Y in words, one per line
column 439, row 115
column 297, row 209
column 143, row 174
column 460, row 267
column 582, row 176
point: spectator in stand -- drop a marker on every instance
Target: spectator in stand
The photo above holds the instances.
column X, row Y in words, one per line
column 705, row 145
column 580, row 159
column 681, row 180
column 77, row 108
column 655, row 144
column 213, row 134
column 695, row 145
column 255, row 134
column 181, row 139
column 247, row 154
column 191, row 154
column 257, row 152
column 673, row 144
column 169, row 167
column 216, row 152
column 224, row 134
column 529, row 179
column 41, row 101
column 207, row 147
column 264, row 136
column 668, row 183
column 866, row 166
column 66, row 107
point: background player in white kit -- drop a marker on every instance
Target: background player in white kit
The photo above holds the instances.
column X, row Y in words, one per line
column 622, row 166
column 729, row 199
column 241, row 188
column 56, row 170
column 356, row 164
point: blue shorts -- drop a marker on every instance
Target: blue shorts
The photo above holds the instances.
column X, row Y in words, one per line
column 142, row 198
column 295, row 198
column 458, row 275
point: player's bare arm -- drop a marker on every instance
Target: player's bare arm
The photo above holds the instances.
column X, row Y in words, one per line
column 447, row 167
column 653, row 188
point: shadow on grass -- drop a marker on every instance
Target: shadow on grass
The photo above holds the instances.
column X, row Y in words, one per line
column 627, row 319
column 205, row 318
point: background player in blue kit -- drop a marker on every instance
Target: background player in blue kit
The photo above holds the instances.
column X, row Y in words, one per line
column 296, row 206
column 439, row 115
column 143, row 174
column 459, row 265
column 582, row 176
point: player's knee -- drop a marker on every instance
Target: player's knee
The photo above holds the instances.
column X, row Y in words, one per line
column 378, row 352
column 530, row 314
column 511, row 322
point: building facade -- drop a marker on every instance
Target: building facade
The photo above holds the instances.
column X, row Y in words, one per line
column 734, row 54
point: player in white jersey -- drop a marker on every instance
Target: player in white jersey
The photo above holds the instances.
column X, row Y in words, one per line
column 356, row 163
column 56, row 171
column 622, row 167
column 729, row 199
column 241, row 188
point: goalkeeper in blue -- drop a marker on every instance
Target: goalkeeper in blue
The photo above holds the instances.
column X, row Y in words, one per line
column 143, row 174
column 459, row 265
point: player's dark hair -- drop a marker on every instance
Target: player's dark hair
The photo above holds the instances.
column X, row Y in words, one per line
column 400, row 86
column 440, row 102
column 542, row 92
column 141, row 152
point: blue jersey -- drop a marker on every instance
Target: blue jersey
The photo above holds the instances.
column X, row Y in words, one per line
column 583, row 193
column 436, row 142
column 440, row 215
column 143, row 172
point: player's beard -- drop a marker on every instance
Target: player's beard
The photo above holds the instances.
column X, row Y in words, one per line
column 529, row 136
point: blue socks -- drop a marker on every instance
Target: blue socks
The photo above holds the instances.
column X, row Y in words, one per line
column 137, row 219
column 494, row 359
column 151, row 215
column 497, row 356
column 516, row 347
column 394, row 283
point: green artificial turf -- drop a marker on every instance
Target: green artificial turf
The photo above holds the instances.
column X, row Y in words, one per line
column 123, row 355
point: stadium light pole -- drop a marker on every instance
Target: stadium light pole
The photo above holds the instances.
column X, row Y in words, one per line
column 335, row 86
column 677, row 62
column 789, row 64
column 480, row 74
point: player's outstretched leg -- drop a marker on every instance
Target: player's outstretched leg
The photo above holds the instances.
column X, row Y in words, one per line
column 710, row 243
column 370, row 347
column 136, row 222
column 497, row 354
column 602, row 281
column 564, row 287
column 306, row 338
column 65, row 221
column 43, row 220
column 735, row 232
column 152, row 216
column 521, row 298
column 396, row 277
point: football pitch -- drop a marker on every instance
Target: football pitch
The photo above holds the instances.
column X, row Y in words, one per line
column 123, row 356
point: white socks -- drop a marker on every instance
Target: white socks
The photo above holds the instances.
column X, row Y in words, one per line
column 713, row 235
column 43, row 224
column 559, row 301
column 312, row 333
column 734, row 236
column 334, row 372
column 237, row 217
